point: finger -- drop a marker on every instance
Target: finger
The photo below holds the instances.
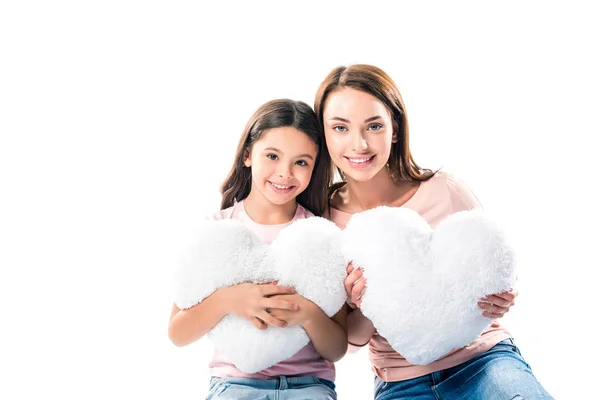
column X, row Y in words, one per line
column 497, row 300
column 354, row 277
column 357, row 290
column 362, row 292
column 357, row 274
column 349, row 268
column 272, row 303
column 258, row 324
column 349, row 284
column 492, row 297
column 270, row 290
column 510, row 295
column 492, row 315
column 269, row 319
column 492, row 308
column 275, row 313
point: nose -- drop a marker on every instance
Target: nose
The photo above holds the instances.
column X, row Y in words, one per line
column 359, row 142
column 284, row 171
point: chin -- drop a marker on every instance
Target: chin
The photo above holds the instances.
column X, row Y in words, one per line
column 278, row 201
column 363, row 176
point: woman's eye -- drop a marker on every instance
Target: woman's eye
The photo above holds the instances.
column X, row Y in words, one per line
column 302, row 163
column 272, row 156
column 339, row 128
column 375, row 127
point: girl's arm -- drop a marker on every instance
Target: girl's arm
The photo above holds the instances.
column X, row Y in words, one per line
column 328, row 335
column 246, row 300
column 187, row 326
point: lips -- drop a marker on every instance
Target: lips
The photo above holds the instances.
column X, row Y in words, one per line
column 279, row 188
column 360, row 161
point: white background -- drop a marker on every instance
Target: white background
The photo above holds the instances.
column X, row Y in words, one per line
column 119, row 121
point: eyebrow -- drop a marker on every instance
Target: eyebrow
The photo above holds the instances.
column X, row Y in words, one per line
column 347, row 121
column 279, row 151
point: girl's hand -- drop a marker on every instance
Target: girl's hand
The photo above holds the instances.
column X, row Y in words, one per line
column 304, row 313
column 355, row 285
column 251, row 301
column 496, row 305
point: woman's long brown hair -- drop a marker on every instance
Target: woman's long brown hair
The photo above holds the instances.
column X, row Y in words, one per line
column 376, row 82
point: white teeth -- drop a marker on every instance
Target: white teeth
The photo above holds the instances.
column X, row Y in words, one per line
column 359, row 160
column 279, row 186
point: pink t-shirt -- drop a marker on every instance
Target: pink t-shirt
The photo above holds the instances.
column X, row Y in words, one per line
column 434, row 200
column 307, row 362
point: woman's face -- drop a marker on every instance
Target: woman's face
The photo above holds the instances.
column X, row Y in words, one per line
column 359, row 133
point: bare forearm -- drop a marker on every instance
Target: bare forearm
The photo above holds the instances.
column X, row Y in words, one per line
column 360, row 329
column 328, row 335
column 187, row 326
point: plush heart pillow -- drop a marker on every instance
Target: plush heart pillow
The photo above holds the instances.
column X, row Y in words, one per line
column 422, row 284
column 305, row 255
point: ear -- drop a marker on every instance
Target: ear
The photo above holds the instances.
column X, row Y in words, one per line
column 396, row 129
column 247, row 159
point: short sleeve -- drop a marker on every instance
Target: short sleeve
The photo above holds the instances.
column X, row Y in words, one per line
column 220, row 215
column 461, row 197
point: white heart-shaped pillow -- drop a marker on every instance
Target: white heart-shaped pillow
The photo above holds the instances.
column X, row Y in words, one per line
column 423, row 285
column 306, row 255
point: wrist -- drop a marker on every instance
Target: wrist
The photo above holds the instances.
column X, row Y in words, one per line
column 312, row 312
column 351, row 304
column 223, row 301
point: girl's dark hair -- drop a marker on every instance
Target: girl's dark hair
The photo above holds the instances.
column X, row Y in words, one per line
column 278, row 114
column 374, row 81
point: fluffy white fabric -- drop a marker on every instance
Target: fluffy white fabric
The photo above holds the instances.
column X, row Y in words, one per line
column 305, row 255
column 422, row 284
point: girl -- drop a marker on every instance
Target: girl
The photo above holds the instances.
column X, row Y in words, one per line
column 366, row 133
column 280, row 174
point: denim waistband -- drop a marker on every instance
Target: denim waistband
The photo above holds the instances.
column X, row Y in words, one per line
column 281, row 382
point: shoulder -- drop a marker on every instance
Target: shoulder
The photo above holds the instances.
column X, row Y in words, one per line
column 460, row 195
column 227, row 213
column 302, row 212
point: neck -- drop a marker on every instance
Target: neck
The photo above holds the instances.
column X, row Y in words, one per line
column 263, row 212
column 381, row 190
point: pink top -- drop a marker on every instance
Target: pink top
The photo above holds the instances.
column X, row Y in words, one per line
column 434, row 200
column 307, row 362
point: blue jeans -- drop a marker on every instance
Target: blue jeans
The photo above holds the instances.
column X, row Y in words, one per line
column 500, row 373
column 282, row 388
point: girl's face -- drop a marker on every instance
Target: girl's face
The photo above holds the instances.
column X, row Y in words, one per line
column 282, row 161
column 359, row 133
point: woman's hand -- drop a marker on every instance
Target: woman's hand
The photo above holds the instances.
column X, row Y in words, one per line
column 496, row 305
column 355, row 285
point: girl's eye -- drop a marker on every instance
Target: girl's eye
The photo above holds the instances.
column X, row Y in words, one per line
column 272, row 156
column 375, row 127
column 339, row 128
column 302, row 163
